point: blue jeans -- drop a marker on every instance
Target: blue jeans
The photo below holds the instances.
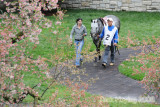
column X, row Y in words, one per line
column 106, row 52
column 79, row 45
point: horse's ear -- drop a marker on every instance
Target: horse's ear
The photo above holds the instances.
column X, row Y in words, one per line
column 91, row 20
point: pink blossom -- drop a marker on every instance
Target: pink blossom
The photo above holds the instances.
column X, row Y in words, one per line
column 55, row 32
column 48, row 25
column 3, row 34
column 12, row 76
column 60, row 14
column 13, row 91
column 58, row 23
column 7, row 3
column 54, row 1
column 11, row 35
column 39, row 30
column 21, row 85
column 29, row 21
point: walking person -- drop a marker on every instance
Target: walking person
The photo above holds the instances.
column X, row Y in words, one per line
column 110, row 40
column 79, row 31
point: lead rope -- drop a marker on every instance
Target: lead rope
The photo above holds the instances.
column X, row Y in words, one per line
column 117, row 50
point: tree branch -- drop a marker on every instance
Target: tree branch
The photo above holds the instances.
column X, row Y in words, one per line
column 37, row 84
column 47, row 88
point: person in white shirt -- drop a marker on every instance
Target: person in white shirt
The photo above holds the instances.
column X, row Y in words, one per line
column 110, row 40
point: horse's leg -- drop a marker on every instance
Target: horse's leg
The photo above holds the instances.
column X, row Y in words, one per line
column 99, row 54
column 96, row 57
column 98, row 50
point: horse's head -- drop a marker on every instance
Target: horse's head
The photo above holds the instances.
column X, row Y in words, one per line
column 94, row 28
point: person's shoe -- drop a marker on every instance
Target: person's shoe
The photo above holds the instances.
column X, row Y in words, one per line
column 111, row 63
column 104, row 64
column 81, row 60
column 77, row 66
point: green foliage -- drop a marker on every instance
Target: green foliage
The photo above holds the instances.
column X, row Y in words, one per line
column 126, row 68
column 124, row 103
column 140, row 24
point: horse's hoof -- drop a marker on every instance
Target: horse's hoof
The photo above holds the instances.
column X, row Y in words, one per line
column 95, row 59
column 99, row 57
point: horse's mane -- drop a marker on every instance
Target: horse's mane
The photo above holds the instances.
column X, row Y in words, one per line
column 102, row 21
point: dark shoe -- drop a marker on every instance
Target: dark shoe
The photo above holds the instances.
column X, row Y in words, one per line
column 99, row 57
column 95, row 59
column 81, row 60
column 104, row 64
column 77, row 66
column 111, row 64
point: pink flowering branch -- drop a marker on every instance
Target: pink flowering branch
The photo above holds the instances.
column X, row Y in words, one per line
column 150, row 60
column 14, row 60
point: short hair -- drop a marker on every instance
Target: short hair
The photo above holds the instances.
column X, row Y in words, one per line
column 78, row 19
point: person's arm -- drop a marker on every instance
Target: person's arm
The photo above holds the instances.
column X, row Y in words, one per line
column 116, row 37
column 85, row 31
column 72, row 32
column 102, row 33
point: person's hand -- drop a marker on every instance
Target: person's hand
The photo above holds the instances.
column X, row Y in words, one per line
column 105, row 46
column 70, row 42
column 84, row 34
column 115, row 44
column 97, row 36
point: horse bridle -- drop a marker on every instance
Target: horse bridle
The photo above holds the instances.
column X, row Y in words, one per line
column 98, row 28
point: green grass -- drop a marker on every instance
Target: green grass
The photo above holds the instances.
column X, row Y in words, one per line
column 140, row 24
column 127, row 70
column 124, row 103
column 126, row 67
column 63, row 93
